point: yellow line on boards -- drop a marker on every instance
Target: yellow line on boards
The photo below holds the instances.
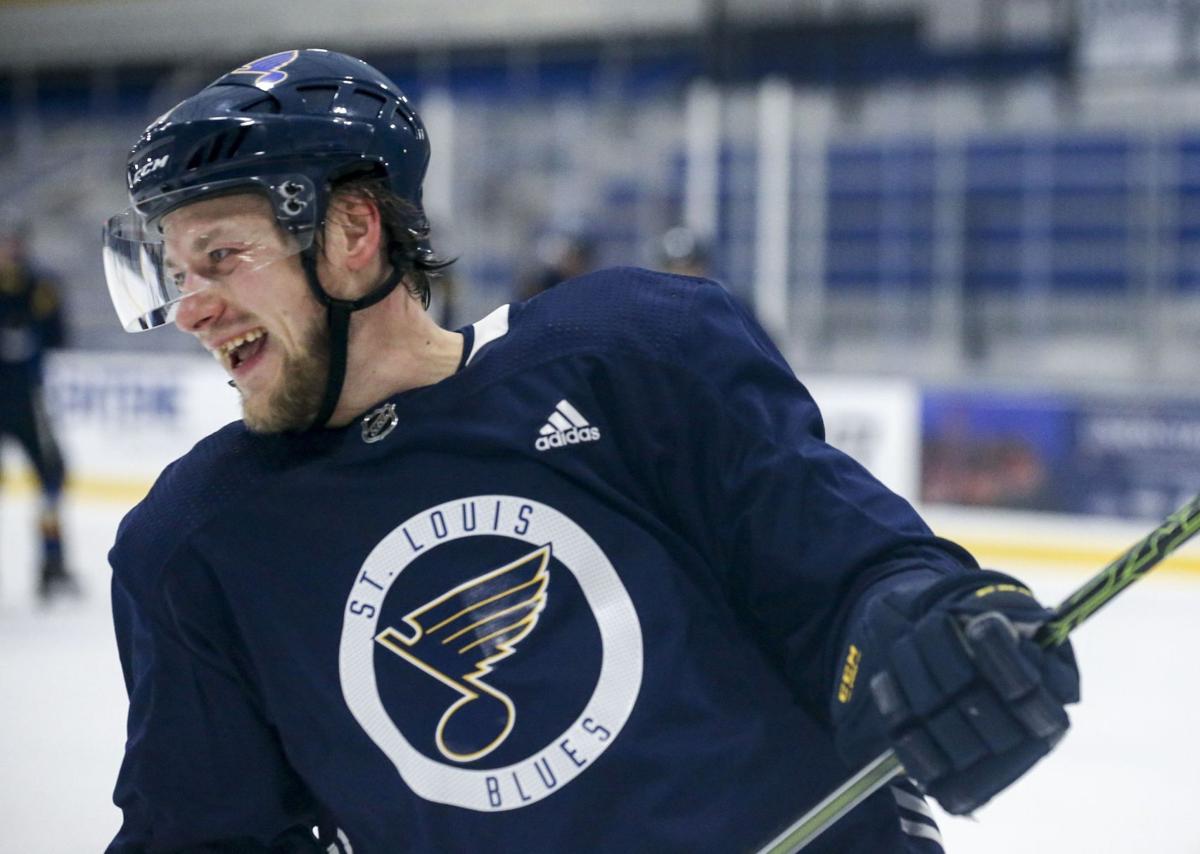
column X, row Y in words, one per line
column 84, row 488
column 997, row 552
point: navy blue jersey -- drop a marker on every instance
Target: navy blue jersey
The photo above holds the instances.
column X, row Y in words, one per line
column 30, row 322
column 582, row 595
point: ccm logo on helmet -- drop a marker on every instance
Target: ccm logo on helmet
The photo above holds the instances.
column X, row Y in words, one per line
column 137, row 174
column 573, row 436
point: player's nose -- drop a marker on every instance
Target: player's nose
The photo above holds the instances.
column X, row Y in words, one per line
column 198, row 310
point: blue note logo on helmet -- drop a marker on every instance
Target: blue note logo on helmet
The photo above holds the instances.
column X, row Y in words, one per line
column 267, row 70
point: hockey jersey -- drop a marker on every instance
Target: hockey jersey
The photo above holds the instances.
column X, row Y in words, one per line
column 30, row 323
column 582, row 595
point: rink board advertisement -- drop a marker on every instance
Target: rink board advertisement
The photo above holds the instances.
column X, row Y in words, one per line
column 120, row 419
column 1093, row 455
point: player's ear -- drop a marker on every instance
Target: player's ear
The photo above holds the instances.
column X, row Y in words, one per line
column 354, row 231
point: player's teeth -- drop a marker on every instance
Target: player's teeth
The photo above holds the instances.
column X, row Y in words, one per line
column 229, row 347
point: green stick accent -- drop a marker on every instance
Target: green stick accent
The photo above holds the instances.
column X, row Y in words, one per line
column 1120, row 573
column 1135, row 562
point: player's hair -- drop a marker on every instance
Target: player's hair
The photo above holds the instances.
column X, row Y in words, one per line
column 405, row 228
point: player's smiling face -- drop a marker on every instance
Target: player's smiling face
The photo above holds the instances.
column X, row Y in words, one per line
column 248, row 303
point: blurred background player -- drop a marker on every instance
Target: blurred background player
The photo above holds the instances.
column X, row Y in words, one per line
column 562, row 257
column 30, row 323
column 682, row 252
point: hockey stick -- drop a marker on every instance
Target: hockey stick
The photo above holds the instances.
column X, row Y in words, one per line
column 1127, row 568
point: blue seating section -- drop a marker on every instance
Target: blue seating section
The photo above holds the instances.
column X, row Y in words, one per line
column 880, row 219
column 1098, row 212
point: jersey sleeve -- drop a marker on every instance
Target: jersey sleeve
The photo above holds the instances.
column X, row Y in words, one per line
column 796, row 529
column 203, row 767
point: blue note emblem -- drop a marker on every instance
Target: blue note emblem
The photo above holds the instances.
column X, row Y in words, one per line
column 460, row 637
column 268, row 69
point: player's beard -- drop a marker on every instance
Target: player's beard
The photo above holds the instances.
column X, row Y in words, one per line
column 297, row 400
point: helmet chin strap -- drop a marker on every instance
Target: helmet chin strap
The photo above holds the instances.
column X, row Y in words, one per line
column 338, row 312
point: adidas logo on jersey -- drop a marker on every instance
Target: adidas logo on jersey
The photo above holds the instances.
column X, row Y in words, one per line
column 565, row 426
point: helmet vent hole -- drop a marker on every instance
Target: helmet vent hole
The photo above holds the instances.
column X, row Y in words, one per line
column 197, row 159
column 317, row 99
column 235, row 141
column 367, row 105
column 222, row 146
column 213, row 153
column 267, row 104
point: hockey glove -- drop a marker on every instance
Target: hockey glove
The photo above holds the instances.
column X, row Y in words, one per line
column 956, row 685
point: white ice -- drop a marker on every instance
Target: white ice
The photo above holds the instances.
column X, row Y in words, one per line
column 1125, row 780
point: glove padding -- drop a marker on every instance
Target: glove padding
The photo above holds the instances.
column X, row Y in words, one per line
column 962, row 693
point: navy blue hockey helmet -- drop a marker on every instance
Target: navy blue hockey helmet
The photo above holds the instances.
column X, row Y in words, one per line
column 316, row 113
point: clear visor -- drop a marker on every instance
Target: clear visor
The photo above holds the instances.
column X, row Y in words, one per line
column 202, row 237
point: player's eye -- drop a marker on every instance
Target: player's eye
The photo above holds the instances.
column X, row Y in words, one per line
column 221, row 261
column 174, row 276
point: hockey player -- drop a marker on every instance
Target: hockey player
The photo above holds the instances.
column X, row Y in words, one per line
column 582, row 576
column 31, row 323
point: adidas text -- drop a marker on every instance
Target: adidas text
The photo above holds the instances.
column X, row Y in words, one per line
column 573, row 436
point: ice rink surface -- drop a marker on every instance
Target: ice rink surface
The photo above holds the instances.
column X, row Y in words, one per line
column 1125, row 780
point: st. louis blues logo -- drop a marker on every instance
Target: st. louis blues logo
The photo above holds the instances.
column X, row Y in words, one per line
column 506, row 660
column 457, row 638
column 268, row 68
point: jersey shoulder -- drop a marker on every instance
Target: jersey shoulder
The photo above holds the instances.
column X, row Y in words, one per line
column 216, row 474
column 618, row 310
